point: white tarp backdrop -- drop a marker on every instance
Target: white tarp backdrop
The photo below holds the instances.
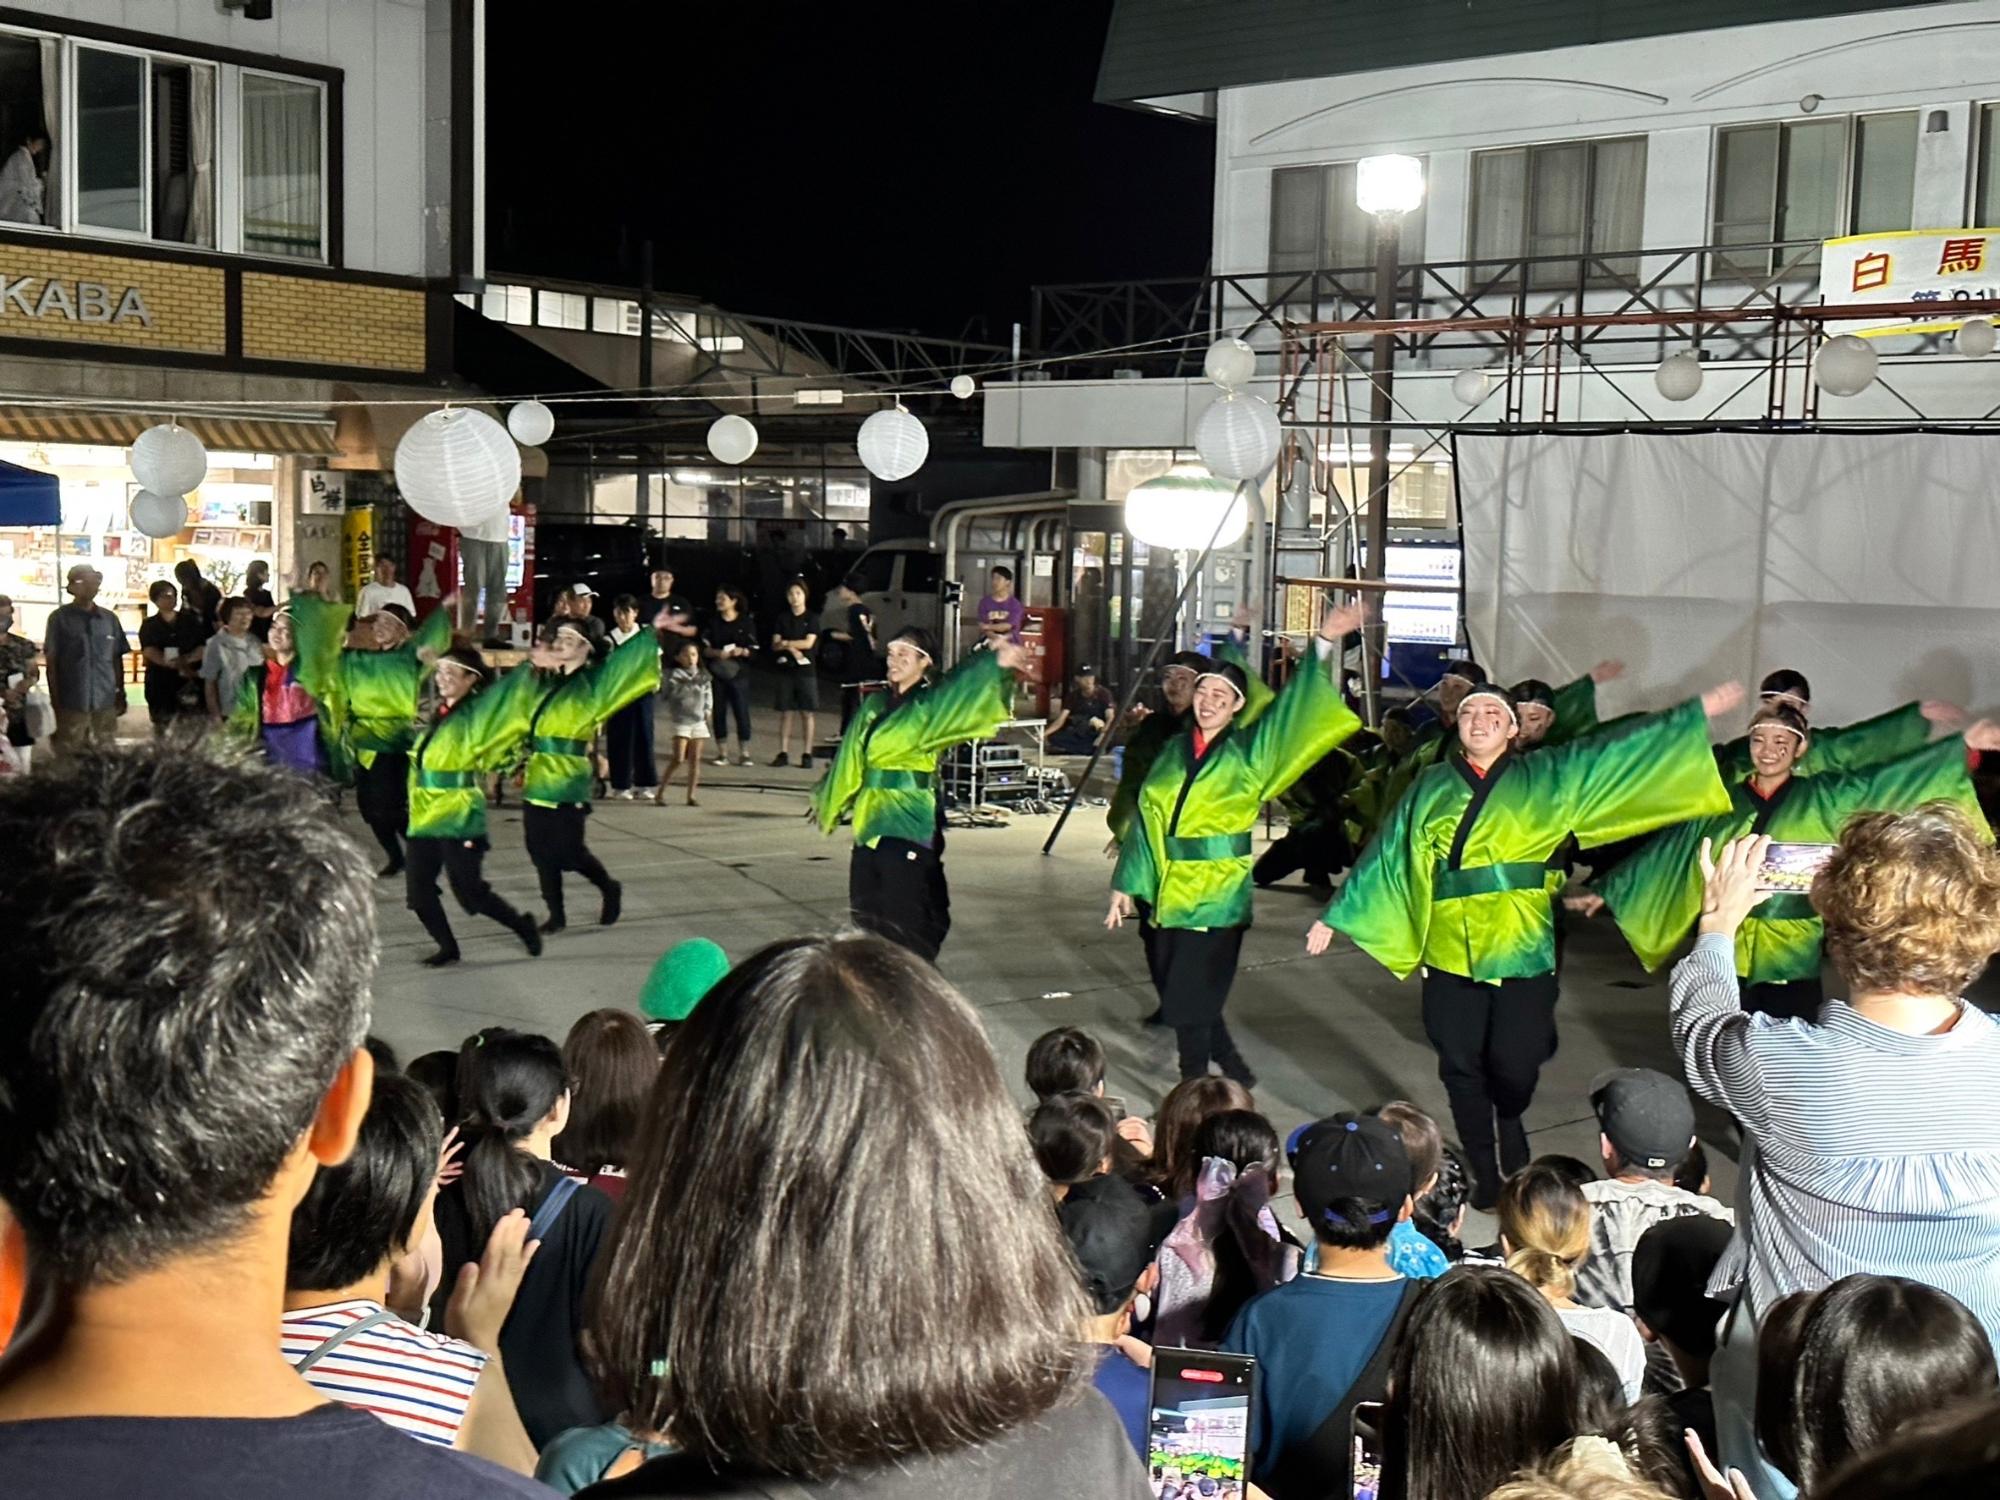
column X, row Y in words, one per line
column 1870, row 561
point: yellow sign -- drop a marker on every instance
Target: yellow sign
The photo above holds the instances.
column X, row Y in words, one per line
column 357, row 550
column 1930, row 266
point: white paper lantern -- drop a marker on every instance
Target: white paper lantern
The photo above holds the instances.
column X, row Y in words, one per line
column 732, row 439
column 962, row 386
column 1469, row 387
column 159, row 516
column 1845, row 366
column 1238, row 437
column 1975, row 339
column 893, row 444
column 1230, row 363
column 1679, row 376
column 1187, row 508
column 168, row 460
column 531, row 423
column 458, row 467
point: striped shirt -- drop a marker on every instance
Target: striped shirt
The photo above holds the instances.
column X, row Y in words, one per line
column 416, row 1381
column 1868, row 1150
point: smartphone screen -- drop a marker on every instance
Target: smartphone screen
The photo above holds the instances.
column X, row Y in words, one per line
column 1367, row 1436
column 1788, row 869
column 1198, row 1441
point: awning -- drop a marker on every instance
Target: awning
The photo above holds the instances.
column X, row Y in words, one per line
column 302, row 437
column 29, row 497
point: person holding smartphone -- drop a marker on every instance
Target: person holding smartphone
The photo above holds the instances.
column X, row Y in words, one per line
column 1655, row 895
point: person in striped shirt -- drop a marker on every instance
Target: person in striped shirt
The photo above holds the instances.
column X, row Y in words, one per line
column 355, row 1222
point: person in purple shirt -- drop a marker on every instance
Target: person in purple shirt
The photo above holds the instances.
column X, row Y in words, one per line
column 1115, row 1234
column 1000, row 612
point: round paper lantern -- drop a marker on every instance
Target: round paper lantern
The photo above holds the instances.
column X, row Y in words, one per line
column 1974, row 339
column 458, row 467
column 1845, row 366
column 159, row 516
column 1238, row 437
column 1187, row 508
column 1469, row 387
column 962, row 386
column 531, row 423
column 1230, row 363
column 893, row 444
column 168, row 460
column 1679, row 376
column 732, row 439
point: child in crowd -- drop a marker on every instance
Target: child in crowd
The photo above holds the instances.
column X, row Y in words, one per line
column 1670, row 1269
column 1114, row 1232
column 678, row 980
column 1072, row 1136
column 1069, row 1060
column 690, row 695
column 612, row 1060
column 1229, row 1247
column 1410, row 1251
column 1440, row 1214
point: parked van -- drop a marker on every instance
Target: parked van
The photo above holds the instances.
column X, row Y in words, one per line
column 902, row 583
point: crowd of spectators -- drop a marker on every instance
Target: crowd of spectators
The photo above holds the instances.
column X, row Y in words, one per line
column 784, row 1232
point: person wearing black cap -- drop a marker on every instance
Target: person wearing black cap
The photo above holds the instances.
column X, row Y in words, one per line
column 1324, row 1339
column 1671, row 1267
column 1842, row 747
column 1082, row 720
column 1459, row 884
column 1115, row 1232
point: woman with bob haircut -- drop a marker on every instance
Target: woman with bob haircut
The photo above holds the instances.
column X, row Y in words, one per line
column 612, row 1060
column 1871, row 1143
column 880, row 1302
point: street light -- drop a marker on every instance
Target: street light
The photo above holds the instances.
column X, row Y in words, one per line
column 1386, row 187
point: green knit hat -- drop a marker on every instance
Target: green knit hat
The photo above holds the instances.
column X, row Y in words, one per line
column 684, row 973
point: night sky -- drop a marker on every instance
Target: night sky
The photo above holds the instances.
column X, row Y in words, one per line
column 856, row 163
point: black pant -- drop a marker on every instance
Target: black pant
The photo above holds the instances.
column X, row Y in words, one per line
column 1193, row 970
column 555, row 844
column 628, row 741
column 732, row 693
column 1792, row 998
column 897, row 891
column 1491, row 1042
column 382, row 793
column 1318, row 850
column 462, row 862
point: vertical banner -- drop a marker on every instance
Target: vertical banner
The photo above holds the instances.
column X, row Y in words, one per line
column 357, row 550
column 433, row 563
column 521, row 566
column 1942, row 266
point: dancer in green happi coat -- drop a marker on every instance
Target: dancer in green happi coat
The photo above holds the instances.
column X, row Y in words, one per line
column 1843, row 747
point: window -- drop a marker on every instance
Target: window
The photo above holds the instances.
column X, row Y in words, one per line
column 1809, row 180
column 1582, row 202
column 1316, row 224
column 1986, row 192
column 110, row 140
column 144, row 147
column 283, row 150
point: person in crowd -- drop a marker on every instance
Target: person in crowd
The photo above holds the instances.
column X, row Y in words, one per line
column 1645, row 1124
column 1655, row 895
column 1067, row 1060
column 671, row 615
column 231, row 654
column 571, row 697
column 1083, row 717
column 1074, row 1139
column 1176, row 1168
column 1842, row 747
column 214, row 1059
column 1189, row 857
column 514, row 1089
column 257, row 590
column 611, row 1061
column 1458, row 883
column 1692, row 1175
column 689, row 691
column 438, row 1073
column 792, row 644
column 199, row 597
column 1545, row 1224
column 319, row 582
column 168, row 642
column 1315, row 839
column 885, row 772
column 1871, row 1143
column 275, row 712
column 582, row 599
column 1229, row 1247
column 677, row 982
column 84, row 654
column 1587, row 1469
column 1671, row 1306
column 851, row 632
column 1956, row 1452
column 21, row 185
column 484, row 603
column 383, row 589
column 1410, row 1251
column 18, row 674
column 728, row 642
column 475, row 731
column 353, row 1225
column 1114, row 1231
column 628, row 733
column 793, row 1093
column 1439, row 1214
column 1324, row 1340
column 1484, row 1383
column 1001, row 614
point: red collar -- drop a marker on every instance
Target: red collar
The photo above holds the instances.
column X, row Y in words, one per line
column 1201, row 743
column 1751, row 782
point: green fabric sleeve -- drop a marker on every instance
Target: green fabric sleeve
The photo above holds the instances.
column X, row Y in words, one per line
column 1384, row 907
column 1644, row 775
column 1937, row 772
column 433, row 632
column 1302, row 723
column 1576, row 711
column 1849, row 747
column 1142, row 748
column 1257, row 694
column 1654, row 895
column 1137, row 872
column 246, row 715
column 319, row 631
column 628, row 674
column 970, row 702
column 840, row 785
column 501, row 716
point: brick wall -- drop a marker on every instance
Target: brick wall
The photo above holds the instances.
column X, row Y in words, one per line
column 185, row 303
column 306, row 321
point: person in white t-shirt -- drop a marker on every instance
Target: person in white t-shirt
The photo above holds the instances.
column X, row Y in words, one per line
column 1545, row 1235
column 383, row 590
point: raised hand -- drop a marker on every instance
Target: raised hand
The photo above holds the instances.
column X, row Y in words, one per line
column 1947, row 716
column 1607, row 671
column 1724, row 697
column 1122, row 906
column 487, row 1286
column 1729, row 882
column 1319, row 938
column 450, row 1168
column 1585, row 903
column 1339, row 620
column 1137, row 1133
column 1983, row 735
column 1012, row 656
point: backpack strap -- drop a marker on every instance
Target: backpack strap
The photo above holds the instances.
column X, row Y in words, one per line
column 312, row 1357
column 552, row 1207
column 1322, row 1467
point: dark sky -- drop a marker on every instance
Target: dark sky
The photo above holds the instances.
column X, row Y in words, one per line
column 876, row 163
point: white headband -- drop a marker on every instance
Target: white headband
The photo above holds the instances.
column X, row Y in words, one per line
column 1488, row 691
column 1241, row 697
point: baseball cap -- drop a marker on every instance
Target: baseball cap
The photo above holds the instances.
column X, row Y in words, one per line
column 583, row 590
column 1114, row 1232
column 1086, row 670
column 1671, row 1265
column 1646, row 1115
column 1349, row 1156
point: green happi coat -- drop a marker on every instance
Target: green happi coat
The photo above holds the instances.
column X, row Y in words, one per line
column 1190, row 857
column 1576, row 712
column 370, row 696
column 1459, row 878
column 569, row 711
column 1655, row 895
column 1145, row 743
column 886, row 767
column 451, row 759
column 1843, row 747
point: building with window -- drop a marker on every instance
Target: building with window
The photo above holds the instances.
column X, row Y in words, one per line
column 253, row 225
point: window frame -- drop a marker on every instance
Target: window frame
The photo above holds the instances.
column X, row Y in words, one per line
column 1324, row 257
column 1844, row 210
column 1554, row 274
column 1984, row 189
column 325, row 184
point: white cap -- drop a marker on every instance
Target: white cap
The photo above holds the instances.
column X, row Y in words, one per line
column 583, row 589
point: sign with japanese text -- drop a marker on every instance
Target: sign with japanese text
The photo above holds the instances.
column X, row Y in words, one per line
column 1943, row 266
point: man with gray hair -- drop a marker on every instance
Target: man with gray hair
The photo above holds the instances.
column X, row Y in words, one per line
column 85, row 655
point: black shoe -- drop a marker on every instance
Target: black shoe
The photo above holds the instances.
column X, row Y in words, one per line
column 394, row 867
column 1237, row 1071
column 553, row 925
column 494, row 643
column 440, row 958
column 614, row 904
column 531, row 939
column 1485, row 1179
column 782, row 759
column 1157, row 1018
column 1514, row 1152
column 805, row 762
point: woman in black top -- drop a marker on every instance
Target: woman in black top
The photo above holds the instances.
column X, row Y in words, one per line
column 171, row 642
column 798, row 680
column 728, row 642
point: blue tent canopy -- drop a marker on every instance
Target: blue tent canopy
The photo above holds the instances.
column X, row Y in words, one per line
column 29, row 497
